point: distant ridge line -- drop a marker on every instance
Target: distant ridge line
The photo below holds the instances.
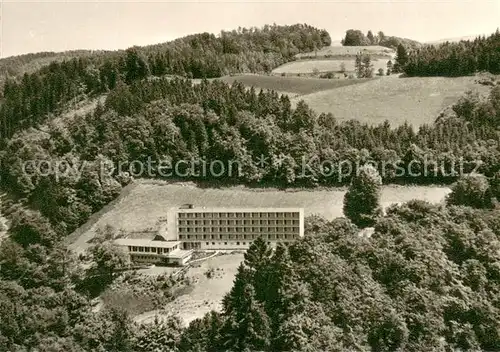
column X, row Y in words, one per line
column 457, row 39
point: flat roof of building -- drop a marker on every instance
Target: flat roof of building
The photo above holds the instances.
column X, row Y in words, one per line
column 142, row 235
column 239, row 210
column 137, row 242
column 179, row 253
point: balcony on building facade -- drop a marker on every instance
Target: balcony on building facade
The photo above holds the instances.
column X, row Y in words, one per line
column 237, row 227
column 150, row 251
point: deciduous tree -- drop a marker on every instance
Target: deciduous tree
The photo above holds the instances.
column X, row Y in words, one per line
column 361, row 202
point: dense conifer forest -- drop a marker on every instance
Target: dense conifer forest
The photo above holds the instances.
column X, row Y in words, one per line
column 427, row 279
column 30, row 98
column 455, row 59
column 16, row 66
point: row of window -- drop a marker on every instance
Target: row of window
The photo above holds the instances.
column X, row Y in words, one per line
column 149, row 258
column 238, row 222
column 239, row 215
column 150, row 249
column 238, row 229
column 235, row 237
column 232, row 243
column 142, row 257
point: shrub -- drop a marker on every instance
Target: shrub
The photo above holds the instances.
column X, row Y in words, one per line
column 471, row 190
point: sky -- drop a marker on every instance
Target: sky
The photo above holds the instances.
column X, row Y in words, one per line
column 34, row 26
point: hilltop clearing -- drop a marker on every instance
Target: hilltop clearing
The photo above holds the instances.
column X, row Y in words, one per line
column 305, row 67
column 336, row 59
column 291, row 85
column 416, row 100
column 334, row 52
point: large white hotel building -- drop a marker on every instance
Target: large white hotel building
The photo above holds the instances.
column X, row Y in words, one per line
column 188, row 229
column 236, row 228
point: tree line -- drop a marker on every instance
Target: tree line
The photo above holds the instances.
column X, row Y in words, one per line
column 455, row 59
column 355, row 37
column 238, row 51
column 29, row 99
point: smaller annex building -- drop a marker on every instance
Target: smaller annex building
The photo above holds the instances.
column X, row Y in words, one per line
column 155, row 251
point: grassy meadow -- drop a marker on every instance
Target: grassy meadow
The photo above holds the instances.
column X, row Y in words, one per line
column 325, row 65
column 418, row 100
column 291, row 85
column 144, row 202
column 331, row 59
column 337, row 51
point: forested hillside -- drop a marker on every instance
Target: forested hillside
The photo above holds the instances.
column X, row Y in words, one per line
column 427, row 279
column 174, row 120
column 44, row 302
column 28, row 100
column 354, row 37
column 455, row 59
column 16, row 66
column 238, row 51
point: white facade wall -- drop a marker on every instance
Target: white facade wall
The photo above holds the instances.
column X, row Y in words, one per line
column 155, row 254
column 229, row 245
column 235, row 229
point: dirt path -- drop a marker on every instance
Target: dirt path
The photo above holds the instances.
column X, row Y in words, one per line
column 207, row 293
